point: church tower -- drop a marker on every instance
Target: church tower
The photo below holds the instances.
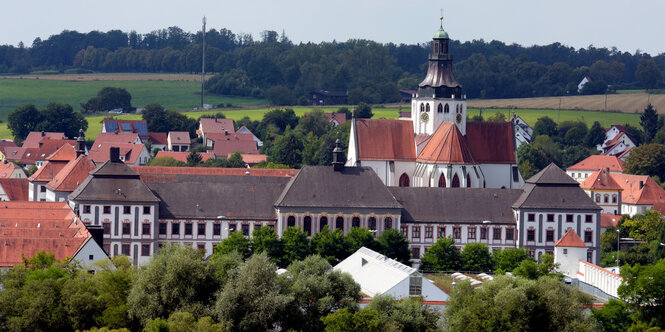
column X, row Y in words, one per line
column 439, row 97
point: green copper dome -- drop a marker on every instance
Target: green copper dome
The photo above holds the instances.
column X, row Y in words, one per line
column 440, row 34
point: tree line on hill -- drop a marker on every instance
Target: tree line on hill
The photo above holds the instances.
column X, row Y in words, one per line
column 371, row 72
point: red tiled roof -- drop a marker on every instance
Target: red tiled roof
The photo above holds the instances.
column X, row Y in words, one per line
column 225, row 145
column 210, row 126
column 650, row 193
column 35, row 137
column 14, row 153
column 32, row 155
column 157, row 138
column 339, row 117
column 446, row 146
column 600, row 180
column 48, row 171
column 72, row 175
column 6, row 143
column 100, row 153
column 7, row 169
column 147, row 171
column 596, row 162
column 16, row 189
column 491, row 142
column 182, row 156
column 115, row 138
column 570, row 239
column 384, row 139
column 253, row 158
column 65, row 153
column 608, row 220
column 179, row 137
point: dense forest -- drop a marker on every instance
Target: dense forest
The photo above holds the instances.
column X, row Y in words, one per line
column 370, row 72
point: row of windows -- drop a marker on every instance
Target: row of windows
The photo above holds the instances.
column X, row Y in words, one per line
column 496, row 233
column 405, row 182
column 106, row 209
column 549, row 235
column 441, row 108
column 580, row 175
column 606, row 198
column 201, row 228
column 550, row 217
column 307, row 224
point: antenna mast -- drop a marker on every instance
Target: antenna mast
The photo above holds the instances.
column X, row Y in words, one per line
column 203, row 63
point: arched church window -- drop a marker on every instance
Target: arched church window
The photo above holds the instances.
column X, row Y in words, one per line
column 439, row 108
column 442, row 181
column 468, row 181
column 422, row 107
column 355, row 222
column 455, row 183
column 388, row 223
column 307, row 225
column 404, row 180
column 446, row 109
column 290, row 221
column 371, row 223
column 339, row 223
column 427, row 108
column 323, row 223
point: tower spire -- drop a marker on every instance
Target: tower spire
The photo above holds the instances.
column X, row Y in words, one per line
column 441, row 18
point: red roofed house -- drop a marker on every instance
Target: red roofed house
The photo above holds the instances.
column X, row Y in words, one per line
column 336, row 119
column 132, row 151
column 568, row 251
column 30, row 227
column 608, row 220
column 14, row 189
column 640, row 193
column 9, row 170
column 617, row 141
column 214, row 126
column 224, row 145
column 436, row 147
column 53, row 165
column 604, row 190
column 37, row 155
column 182, row 156
column 6, row 144
column 139, row 127
column 245, row 130
column 582, row 170
column 158, row 141
column 178, row 141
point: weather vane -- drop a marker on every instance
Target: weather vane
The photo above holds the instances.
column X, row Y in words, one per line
column 441, row 17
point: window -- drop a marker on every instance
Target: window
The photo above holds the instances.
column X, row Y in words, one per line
column 126, row 209
column 550, row 217
column 531, row 235
column 125, row 249
column 415, row 232
column 510, row 234
column 42, row 189
column 201, row 229
column 371, row 223
column 597, row 198
column 415, row 253
column 442, row 181
column 588, row 236
column 483, row 233
column 429, row 232
column 549, row 235
column 290, row 221
column 404, row 180
column 188, row 229
column 588, row 218
column 126, row 227
column 589, row 256
column 339, row 223
column 404, row 230
column 606, row 199
column 146, row 210
column 422, row 107
column 388, row 223
column 216, row 229
column 86, row 208
column 496, row 234
column 569, row 218
column 531, row 217
column 106, row 209
column 162, row 228
column 471, row 233
column 307, row 225
column 175, row 229
column 145, row 229
column 439, row 108
column 427, row 107
column 415, row 285
column 323, row 223
column 516, row 174
column 232, row 228
column 441, row 232
column 245, row 229
column 457, row 233
column 468, row 181
column 455, row 183
column 355, row 222
column 145, row 250
column 565, row 251
column 614, row 198
column 107, row 227
column 446, row 109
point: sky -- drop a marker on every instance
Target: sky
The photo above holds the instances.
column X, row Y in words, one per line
column 627, row 25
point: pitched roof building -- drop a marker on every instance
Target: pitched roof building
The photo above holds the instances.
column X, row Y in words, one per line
column 14, row 189
column 640, row 193
column 582, row 170
column 214, row 126
column 9, row 170
column 139, row 127
column 604, row 190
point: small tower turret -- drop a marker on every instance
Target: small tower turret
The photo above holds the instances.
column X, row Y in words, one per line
column 338, row 157
column 80, row 143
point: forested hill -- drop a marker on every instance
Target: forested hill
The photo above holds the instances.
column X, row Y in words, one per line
column 369, row 71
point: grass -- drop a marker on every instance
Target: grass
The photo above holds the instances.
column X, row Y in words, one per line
column 531, row 116
column 443, row 281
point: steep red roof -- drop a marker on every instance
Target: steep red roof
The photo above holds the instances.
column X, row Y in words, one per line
column 65, row 153
column 446, row 146
column 650, row 193
column 570, row 239
column 600, row 180
column 596, row 162
column 6, row 143
column 157, row 138
column 100, row 153
column 16, row 189
column 34, row 137
column 182, row 156
column 146, row 171
column 45, row 149
column 384, row 139
column 72, row 175
column 48, row 171
column 7, row 168
column 210, row 126
column 608, row 220
column 491, row 142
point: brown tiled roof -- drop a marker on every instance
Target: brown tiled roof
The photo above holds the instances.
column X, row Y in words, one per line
column 159, row 170
column 551, row 188
column 179, row 137
column 596, row 162
column 384, row 139
column 47, row 147
column 65, row 153
column 158, row 138
column 253, row 158
column 48, row 171
column 608, row 220
column 100, row 153
column 7, row 169
column 491, row 142
column 339, row 117
column 6, row 143
column 209, row 125
column 446, row 146
column 600, row 180
column 114, row 138
column 570, row 239
column 226, row 147
column 35, row 137
column 72, row 175
column 182, row 156
column 650, row 193
column 16, row 189
column 14, row 153
column 456, row 204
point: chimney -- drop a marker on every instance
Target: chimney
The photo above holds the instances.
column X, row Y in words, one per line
column 43, row 133
column 115, row 154
column 97, row 233
column 641, row 185
column 338, row 157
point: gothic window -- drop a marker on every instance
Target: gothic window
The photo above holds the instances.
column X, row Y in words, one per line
column 422, row 107
column 446, row 109
column 455, row 181
column 339, row 223
column 439, row 108
column 442, row 181
column 388, row 223
column 427, row 107
column 404, row 180
column 307, row 225
column 355, row 222
column 371, row 223
column 323, row 223
column 468, row 181
column 290, row 221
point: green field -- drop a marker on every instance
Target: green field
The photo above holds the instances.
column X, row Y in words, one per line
column 531, row 116
column 181, row 95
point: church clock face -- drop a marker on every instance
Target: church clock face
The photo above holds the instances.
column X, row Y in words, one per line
column 424, row 117
column 459, row 118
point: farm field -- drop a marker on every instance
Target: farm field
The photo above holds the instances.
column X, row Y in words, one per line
column 172, row 94
column 114, row 77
